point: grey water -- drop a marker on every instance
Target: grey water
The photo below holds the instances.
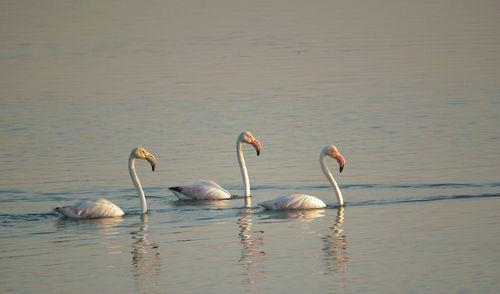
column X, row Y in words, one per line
column 409, row 92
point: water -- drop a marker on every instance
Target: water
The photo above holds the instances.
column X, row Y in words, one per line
column 408, row 92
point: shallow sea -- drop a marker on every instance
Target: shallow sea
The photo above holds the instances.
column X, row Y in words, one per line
column 408, row 92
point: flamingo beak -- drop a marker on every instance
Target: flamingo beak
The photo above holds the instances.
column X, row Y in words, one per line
column 152, row 160
column 256, row 144
column 340, row 160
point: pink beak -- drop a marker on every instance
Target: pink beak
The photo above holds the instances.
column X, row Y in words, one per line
column 256, row 144
column 340, row 160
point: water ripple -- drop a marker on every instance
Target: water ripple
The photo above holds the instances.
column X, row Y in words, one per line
column 29, row 217
column 381, row 186
column 425, row 199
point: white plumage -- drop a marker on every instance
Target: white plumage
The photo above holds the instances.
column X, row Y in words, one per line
column 91, row 209
column 294, row 201
column 201, row 190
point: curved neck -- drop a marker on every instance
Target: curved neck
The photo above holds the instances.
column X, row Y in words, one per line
column 328, row 175
column 137, row 184
column 243, row 166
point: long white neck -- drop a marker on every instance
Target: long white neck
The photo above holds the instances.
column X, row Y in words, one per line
column 243, row 167
column 328, row 175
column 137, row 184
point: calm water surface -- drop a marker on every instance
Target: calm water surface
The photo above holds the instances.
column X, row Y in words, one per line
column 409, row 93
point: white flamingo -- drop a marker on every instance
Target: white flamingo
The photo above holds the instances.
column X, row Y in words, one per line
column 209, row 190
column 302, row 201
column 104, row 208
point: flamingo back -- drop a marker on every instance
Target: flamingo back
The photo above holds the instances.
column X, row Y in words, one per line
column 294, row 201
column 201, row 190
column 91, row 209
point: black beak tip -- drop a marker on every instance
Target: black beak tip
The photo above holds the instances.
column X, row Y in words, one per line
column 258, row 152
column 153, row 167
column 341, row 168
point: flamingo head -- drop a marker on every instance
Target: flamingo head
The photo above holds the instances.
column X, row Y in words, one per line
column 247, row 137
column 334, row 153
column 141, row 153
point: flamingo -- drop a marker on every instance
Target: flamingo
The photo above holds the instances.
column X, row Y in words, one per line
column 209, row 190
column 104, row 208
column 302, row 201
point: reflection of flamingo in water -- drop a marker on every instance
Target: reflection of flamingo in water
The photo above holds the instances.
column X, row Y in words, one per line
column 303, row 215
column 251, row 257
column 335, row 246
column 145, row 259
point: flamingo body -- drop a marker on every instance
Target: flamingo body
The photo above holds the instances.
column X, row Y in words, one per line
column 201, row 190
column 104, row 208
column 294, row 201
column 91, row 209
